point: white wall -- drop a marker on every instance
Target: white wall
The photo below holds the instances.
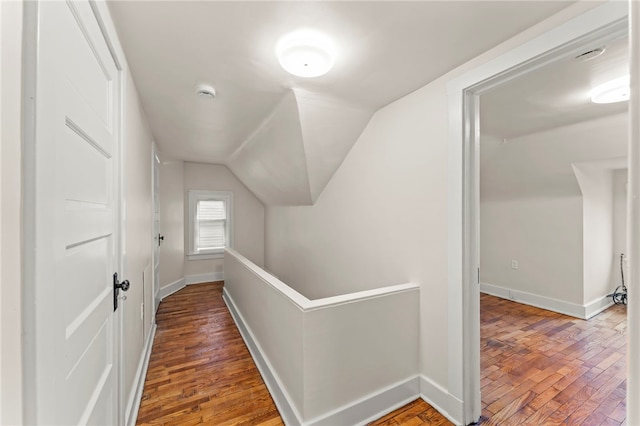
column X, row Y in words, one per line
column 382, row 219
column 176, row 179
column 248, row 220
column 619, row 224
column 544, row 235
column 335, row 361
column 596, row 184
column 10, row 212
column 532, row 210
column 171, row 220
column 138, row 227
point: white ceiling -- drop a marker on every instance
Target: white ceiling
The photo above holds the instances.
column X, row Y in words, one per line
column 285, row 136
column 555, row 95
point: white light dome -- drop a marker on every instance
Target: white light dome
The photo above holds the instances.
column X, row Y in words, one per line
column 306, row 53
column 612, row 91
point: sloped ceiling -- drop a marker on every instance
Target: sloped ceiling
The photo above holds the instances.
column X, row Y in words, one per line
column 536, row 127
column 555, row 95
column 285, row 136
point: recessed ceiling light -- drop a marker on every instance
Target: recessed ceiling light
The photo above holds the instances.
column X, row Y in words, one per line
column 612, row 91
column 205, row 91
column 306, row 53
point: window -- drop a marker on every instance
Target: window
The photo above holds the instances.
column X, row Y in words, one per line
column 210, row 223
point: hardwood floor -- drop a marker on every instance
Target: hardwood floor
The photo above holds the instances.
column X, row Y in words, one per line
column 538, row 367
column 200, row 371
column 415, row 413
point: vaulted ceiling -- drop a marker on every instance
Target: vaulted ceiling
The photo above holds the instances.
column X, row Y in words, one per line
column 285, row 136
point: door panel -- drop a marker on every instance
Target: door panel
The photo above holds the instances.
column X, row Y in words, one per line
column 77, row 112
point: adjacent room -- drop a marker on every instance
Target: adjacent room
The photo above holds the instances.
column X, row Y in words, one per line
column 553, row 191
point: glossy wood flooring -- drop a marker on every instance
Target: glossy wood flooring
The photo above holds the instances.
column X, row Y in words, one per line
column 543, row 368
column 540, row 367
column 200, row 371
column 416, row 413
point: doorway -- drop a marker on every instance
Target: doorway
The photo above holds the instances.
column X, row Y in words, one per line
column 603, row 23
column 552, row 163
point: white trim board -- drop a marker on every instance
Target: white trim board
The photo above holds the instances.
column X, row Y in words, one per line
column 170, row 289
column 368, row 408
column 133, row 405
column 305, row 304
column 177, row 285
column 204, row 278
column 560, row 306
column 594, row 308
column 440, row 399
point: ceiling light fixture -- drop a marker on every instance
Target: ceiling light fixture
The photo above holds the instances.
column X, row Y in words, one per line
column 306, row 53
column 612, row 91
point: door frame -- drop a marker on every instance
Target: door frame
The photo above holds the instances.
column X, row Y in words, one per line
column 30, row 56
column 601, row 23
column 155, row 163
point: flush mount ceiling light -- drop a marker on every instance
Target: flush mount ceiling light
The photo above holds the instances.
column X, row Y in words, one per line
column 306, row 53
column 612, row 91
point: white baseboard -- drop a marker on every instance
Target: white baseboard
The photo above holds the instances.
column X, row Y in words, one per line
column 440, row 399
column 171, row 288
column 133, row 405
column 594, row 308
column 168, row 290
column 204, row 278
column 283, row 402
column 550, row 304
column 372, row 406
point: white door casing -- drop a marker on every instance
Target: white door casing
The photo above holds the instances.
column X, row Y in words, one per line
column 600, row 24
column 157, row 241
column 76, row 205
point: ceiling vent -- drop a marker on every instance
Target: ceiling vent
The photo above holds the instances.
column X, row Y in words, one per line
column 205, row 91
column 590, row 54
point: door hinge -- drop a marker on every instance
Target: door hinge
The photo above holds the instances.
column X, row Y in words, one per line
column 478, row 276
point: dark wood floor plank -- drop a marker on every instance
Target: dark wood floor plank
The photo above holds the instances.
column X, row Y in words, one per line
column 544, row 368
column 200, row 371
column 538, row 367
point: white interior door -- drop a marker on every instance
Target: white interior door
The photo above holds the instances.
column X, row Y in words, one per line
column 76, row 222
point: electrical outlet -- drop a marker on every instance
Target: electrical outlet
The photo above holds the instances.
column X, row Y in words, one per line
column 514, row 264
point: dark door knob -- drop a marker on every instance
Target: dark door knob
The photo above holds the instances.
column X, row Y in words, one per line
column 117, row 286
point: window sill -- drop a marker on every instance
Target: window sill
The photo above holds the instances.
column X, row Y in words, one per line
column 205, row 256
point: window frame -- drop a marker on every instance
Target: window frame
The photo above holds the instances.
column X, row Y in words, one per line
column 196, row 195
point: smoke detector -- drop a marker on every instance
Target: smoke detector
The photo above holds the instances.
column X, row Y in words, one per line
column 205, row 91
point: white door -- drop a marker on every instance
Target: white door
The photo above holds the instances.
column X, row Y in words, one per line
column 76, row 221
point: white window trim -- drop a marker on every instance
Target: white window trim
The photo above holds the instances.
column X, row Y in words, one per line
column 196, row 195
